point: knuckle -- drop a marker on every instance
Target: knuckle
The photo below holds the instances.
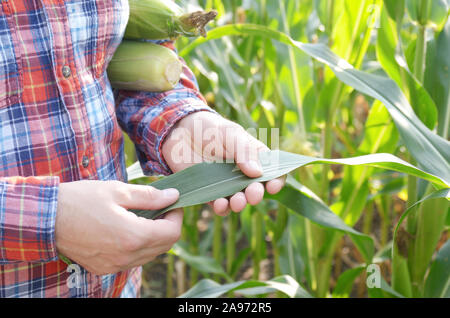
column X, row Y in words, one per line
column 122, row 193
column 151, row 192
column 132, row 245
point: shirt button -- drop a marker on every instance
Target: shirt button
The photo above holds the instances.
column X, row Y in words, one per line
column 85, row 162
column 66, row 72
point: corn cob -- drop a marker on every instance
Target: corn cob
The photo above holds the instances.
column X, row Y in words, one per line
column 144, row 66
column 163, row 19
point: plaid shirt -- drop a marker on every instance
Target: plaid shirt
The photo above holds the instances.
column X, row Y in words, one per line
column 60, row 122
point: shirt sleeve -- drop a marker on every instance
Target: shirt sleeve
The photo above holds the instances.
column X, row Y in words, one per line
column 148, row 117
column 27, row 219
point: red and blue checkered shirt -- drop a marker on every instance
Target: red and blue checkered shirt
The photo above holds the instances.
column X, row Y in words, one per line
column 59, row 122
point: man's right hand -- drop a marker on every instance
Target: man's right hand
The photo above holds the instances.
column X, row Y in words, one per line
column 94, row 228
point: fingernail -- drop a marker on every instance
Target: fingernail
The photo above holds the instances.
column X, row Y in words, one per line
column 170, row 193
column 255, row 165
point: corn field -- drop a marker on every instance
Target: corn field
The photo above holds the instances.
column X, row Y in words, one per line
column 334, row 79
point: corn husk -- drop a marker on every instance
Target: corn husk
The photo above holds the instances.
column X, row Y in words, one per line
column 143, row 66
column 163, row 19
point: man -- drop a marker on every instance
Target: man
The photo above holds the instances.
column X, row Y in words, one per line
column 62, row 170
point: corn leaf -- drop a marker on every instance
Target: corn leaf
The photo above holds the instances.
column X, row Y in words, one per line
column 431, row 215
column 292, row 248
column 380, row 135
column 207, row 288
column 239, row 261
column 206, row 182
column 301, row 200
column 345, row 281
column 203, row 264
column 443, row 193
column 285, row 284
column 388, row 45
column 438, row 280
column 401, row 272
column 395, row 8
column 437, row 77
column 434, row 15
column 384, row 287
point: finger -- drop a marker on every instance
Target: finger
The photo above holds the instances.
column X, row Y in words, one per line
column 174, row 217
column 251, row 168
column 254, row 193
column 148, row 233
column 220, row 207
column 133, row 196
column 274, row 186
column 166, row 230
column 238, row 202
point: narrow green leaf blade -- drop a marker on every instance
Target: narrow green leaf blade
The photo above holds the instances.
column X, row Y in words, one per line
column 285, row 284
column 388, row 46
column 437, row 77
column 207, row 288
column 301, row 200
column 345, row 282
column 388, row 289
column 443, row 193
column 203, row 264
column 438, row 281
column 431, row 151
column 395, row 7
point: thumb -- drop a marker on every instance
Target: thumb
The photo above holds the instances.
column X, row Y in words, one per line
column 132, row 196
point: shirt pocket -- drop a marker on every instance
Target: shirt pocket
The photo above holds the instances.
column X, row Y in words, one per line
column 10, row 61
column 112, row 17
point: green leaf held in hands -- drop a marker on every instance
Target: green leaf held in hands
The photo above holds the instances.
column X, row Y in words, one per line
column 206, row 182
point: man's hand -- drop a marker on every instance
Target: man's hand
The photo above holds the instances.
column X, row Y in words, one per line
column 94, row 229
column 209, row 137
